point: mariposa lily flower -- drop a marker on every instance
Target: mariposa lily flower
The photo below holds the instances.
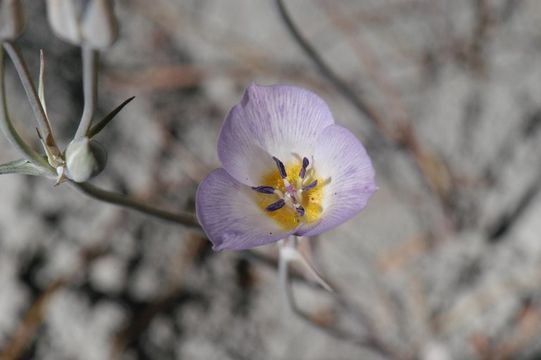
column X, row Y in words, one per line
column 288, row 169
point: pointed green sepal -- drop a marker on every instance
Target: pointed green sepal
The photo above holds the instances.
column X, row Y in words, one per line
column 94, row 130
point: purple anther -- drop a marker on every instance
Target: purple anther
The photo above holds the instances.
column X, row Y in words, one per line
column 263, row 189
column 276, row 205
column 312, row 185
column 305, row 163
column 300, row 210
column 281, row 167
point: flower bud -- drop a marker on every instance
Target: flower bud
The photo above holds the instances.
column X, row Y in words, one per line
column 11, row 19
column 83, row 22
column 84, row 159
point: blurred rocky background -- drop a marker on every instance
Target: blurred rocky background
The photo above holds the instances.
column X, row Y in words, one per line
column 444, row 263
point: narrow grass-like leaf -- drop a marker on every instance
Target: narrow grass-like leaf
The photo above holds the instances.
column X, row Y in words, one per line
column 21, row 166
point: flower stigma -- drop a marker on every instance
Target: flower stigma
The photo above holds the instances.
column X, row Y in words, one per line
column 291, row 193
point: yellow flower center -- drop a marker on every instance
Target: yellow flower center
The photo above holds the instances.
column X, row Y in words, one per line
column 300, row 200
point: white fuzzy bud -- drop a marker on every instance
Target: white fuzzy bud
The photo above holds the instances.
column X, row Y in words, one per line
column 83, row 22
column 84, row 159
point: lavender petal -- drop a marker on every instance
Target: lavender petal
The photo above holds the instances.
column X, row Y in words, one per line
column 230, row 217
column 267, row 118
column 347, row 170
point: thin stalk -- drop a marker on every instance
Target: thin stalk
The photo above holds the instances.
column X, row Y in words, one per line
column 90, row 89
column 31, row 93
column 9, row 130
column 283, row 279
column 327, row 71
column 369, row 341
column 182, row 218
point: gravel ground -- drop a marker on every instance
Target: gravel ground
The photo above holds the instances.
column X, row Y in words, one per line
column 442, row 264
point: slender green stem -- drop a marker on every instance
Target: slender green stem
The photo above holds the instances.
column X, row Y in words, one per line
column 90, row 89
column 378, row 135
column 31, row 93
column 183, row 218
column 357, row 101
column 284, row 276
column 284, row 280
column 9, row 130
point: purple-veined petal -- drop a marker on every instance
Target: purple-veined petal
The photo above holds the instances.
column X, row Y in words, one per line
column 341, row 161
column 281, row 121
column 229, row 216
